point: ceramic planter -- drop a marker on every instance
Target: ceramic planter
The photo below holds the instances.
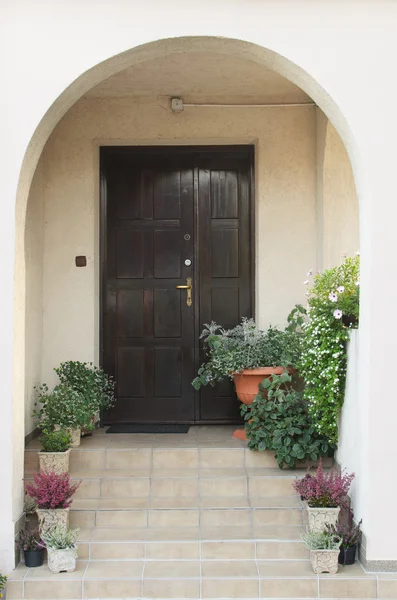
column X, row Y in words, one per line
column 247, row 381
column 33, row 558
column 325, row 561
column 50, row 518
column 54, row 462
column 347, row 556
column 60, row 561
column 319, row 518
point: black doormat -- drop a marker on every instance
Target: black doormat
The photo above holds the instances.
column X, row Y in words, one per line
column 142, row 428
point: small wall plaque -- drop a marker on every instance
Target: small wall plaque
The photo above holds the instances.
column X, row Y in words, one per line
column 81, row 261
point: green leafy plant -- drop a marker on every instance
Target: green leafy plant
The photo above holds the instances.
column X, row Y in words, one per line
column 55, row 441
column 3, row 582
column 321, row 540
column 244, row 347
column 64, row 407
column 59, row 538
column 90, row 381
column 278, row 420
column 323, row 362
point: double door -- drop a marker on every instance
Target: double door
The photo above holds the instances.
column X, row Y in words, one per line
column 176, row 245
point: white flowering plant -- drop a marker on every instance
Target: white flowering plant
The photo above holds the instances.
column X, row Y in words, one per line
column 333, row 309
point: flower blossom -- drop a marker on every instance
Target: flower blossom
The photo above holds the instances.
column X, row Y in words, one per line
column 337, row 313
column 341, row 289
column 306, row 282
column 309, row 273
column 333, row 297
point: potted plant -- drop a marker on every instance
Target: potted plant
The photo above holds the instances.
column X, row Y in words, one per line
column 3, row 582
column 90, row 381
column 351, row 537
column 247, row 355
column 61, row 547
column 324, row 551
column 55, row 451
column 63, row 408
column 53, row 494
column 32, row 545
column 325, row 494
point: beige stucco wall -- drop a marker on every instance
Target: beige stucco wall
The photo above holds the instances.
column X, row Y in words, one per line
column 34, row 291
column 340, row 204
column 285, row 205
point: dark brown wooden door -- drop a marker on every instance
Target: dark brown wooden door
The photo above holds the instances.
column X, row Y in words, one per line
column 161, row 208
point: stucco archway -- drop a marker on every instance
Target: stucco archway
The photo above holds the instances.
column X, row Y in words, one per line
column 79, row 87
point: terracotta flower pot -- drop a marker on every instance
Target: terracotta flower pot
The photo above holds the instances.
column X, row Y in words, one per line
column 247, row 381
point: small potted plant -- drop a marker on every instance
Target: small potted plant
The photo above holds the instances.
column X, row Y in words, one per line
column 247, row 355
column 92, row 382
column 32, row 545
column 53, row 494
column 351, row 537
column 3, row 582
column 324, row 550
column 63, row 408
column 55, row 451
column 61, row 547
column 325, row 494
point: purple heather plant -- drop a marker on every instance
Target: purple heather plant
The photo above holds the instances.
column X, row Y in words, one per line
column 350, row 534
column 51, row 490
column 324, row 490
column 30, row 540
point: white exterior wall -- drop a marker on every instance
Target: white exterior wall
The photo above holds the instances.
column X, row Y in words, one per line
column 323, row 47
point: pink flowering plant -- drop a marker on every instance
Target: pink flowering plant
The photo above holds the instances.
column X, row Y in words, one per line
column 333, row 309
column 51, row 490
column 324, row 489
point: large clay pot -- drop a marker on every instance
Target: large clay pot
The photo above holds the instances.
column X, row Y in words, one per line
column 50, row 518
column 247, row 381
column 319, row 518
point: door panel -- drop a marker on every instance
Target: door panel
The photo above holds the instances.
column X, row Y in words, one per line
column 161, row 206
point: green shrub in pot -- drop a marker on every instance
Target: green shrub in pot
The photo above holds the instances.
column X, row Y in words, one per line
column 55, row 451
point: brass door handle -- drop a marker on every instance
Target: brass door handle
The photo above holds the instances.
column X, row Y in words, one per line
column 188, row 288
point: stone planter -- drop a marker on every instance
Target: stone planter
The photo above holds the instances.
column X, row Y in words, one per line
column 60, row 561
column 50, row 518
column 325, row 561
column 320, row 517
column 54, row 462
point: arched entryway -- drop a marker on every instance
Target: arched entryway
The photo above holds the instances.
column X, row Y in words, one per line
column 59, row 313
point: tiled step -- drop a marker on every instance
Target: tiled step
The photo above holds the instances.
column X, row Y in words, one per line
column 210, row 579
column 137, row 457
column 115, row 513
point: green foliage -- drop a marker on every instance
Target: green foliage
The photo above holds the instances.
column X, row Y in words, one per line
column 3, row 581
column 90, row 381
column 64, row 407
column 323, row 362
column 244, row 347
column 278, row 421
column 55, row 441
column 59, row 538
column 321, row 540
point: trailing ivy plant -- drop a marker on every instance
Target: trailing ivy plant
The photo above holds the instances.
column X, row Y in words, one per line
column 90, row 381
column 333, row 309
column 278, row 420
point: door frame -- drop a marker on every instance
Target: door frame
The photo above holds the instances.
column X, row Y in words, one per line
column 248, row 150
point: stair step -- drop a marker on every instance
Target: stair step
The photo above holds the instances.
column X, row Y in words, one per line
column 210, row 579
